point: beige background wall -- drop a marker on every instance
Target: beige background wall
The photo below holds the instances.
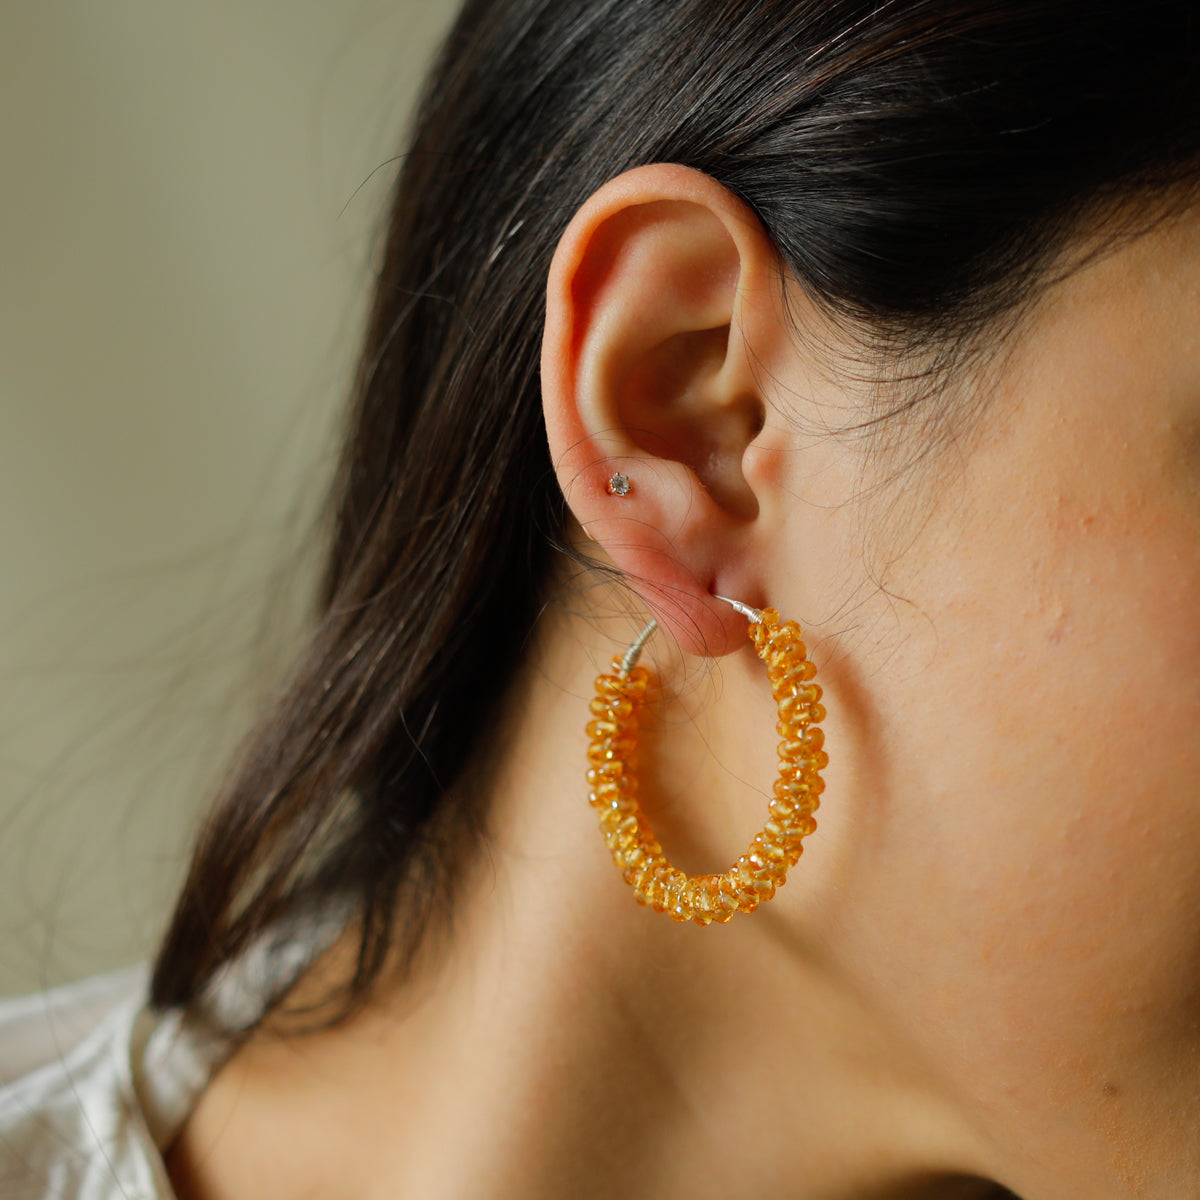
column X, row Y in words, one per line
column 184, row 259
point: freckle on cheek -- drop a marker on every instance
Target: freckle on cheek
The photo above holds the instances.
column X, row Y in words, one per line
column 1060, row 625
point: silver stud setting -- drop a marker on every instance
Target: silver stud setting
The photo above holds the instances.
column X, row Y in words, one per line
column 619, row 485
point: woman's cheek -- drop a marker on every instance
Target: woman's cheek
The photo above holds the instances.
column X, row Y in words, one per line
column 1042, row 881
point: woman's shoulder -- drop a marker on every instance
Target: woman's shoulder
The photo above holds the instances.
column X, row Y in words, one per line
column 92, row 1082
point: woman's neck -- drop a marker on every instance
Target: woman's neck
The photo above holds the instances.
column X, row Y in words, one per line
column 564, row 1042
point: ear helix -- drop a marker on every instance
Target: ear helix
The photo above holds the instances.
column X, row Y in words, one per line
column 612, row 781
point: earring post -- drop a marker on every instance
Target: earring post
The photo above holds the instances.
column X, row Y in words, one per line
column 635, row 651
column 751, row 614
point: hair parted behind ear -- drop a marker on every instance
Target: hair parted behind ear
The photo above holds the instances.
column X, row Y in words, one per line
column 913, row 163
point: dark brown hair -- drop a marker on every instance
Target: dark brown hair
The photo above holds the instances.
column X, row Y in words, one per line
column 915, row 162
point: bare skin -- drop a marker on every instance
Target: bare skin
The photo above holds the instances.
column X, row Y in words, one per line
column 985, row 969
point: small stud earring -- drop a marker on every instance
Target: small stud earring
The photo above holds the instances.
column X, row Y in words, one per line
column 619, row 485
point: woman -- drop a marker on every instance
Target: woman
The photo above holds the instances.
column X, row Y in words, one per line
column 883, row 316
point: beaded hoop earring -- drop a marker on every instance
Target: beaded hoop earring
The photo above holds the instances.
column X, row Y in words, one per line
column 613, row 781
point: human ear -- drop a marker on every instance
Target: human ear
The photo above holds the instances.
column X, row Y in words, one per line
column 663, row 297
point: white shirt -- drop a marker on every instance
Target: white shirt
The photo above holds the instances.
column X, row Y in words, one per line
column 92, row 1088
column 94, row 1084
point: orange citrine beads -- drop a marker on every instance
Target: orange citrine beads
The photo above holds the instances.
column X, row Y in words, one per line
column 764, row 866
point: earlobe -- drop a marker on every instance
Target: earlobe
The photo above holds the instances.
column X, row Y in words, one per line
column 660, row 287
